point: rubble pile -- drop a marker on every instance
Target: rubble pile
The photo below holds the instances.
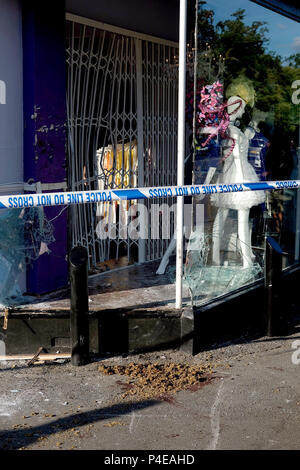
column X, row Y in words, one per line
column 156, row 380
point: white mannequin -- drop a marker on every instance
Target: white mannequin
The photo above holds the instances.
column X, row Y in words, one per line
column 236, row 170
column 239, row 171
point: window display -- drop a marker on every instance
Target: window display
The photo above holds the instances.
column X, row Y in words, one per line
column 244, row 126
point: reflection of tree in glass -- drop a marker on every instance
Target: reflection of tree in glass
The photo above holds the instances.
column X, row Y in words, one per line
column 245, row 49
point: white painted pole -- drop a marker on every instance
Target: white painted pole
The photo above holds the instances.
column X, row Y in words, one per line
column 140, row 138
column 181, row 148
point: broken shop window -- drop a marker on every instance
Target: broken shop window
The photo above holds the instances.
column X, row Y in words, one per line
column 25, row 235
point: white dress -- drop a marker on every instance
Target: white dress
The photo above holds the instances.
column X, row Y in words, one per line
column 230, row 174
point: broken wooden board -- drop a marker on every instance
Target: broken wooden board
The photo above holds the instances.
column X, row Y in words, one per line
column 41, row 357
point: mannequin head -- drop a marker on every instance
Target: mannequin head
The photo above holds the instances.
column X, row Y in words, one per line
column 236, row 110
column 241, row 88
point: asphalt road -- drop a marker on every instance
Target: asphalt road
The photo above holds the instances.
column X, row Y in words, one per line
column 250, row 401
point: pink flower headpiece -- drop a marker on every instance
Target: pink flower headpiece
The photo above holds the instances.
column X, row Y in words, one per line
column 213, row 113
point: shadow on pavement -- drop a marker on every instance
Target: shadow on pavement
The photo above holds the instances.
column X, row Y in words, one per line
column 17, row 438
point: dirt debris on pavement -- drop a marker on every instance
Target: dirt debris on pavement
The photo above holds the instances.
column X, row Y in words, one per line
column 157, row 379
column 60, row 407
column 113, row 423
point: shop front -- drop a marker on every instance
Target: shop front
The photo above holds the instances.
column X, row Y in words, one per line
column 242, row 123
column 100, row 107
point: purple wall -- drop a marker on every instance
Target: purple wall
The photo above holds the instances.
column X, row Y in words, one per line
column 45, row 126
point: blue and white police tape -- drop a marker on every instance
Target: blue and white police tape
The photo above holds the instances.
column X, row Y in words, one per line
column 85, row 197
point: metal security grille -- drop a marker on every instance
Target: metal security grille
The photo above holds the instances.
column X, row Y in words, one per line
column 122, row 113
column 160, row 97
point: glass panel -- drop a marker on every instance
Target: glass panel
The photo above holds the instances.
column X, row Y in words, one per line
column 243, row 123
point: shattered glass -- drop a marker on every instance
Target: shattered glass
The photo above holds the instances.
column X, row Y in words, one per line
column 206, row 281
column 24, row 235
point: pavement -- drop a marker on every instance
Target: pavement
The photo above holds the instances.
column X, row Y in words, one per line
column 248, row 398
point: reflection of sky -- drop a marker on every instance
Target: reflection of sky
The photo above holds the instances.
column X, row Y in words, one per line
column 284, row 34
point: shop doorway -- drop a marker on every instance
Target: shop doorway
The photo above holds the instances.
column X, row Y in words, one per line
column 122, row 133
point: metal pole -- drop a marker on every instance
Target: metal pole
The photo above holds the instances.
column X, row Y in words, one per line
column 79, row 321
column 273, row 285
column 140, row 139
column 194, row 110
column 181, row 148
column 297, row 238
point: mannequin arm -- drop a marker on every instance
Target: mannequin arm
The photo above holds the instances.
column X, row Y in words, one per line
column 236, row 153
column 209, row 177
